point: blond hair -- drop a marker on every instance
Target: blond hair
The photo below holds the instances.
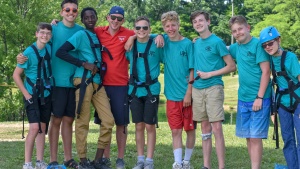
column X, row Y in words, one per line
column 169, row 16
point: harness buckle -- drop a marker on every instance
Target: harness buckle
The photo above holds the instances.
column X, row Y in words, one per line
column 153, row 100
column 139, row 55
column 139, row 83
column 86, row 83
column 30, row 101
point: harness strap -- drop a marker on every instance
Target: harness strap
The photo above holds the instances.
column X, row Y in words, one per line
column 291, row 87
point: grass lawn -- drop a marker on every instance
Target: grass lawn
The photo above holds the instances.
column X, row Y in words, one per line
column 12, row 146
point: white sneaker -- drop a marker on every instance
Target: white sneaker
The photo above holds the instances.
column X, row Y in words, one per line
column 40, row 165
column 139, row 165
column 28, row 166
column 177, row 166
column 186, row 164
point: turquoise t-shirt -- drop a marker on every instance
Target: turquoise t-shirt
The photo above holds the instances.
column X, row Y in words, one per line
column 178, row 59
column 208, row 55
column 154, row 59
column 82, row 45
column 292, row 68
column 31, row 67
column 63, row 71
column 248, row 57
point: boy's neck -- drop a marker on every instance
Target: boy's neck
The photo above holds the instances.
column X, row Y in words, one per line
column 68, row 24
column 248, row 39
column 143, row 40
column 205, row 34
column 91, row 30
column 178, row 37
column 40, row 45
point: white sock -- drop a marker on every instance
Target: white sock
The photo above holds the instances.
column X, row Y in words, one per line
column 188, row 154
column 178, row 155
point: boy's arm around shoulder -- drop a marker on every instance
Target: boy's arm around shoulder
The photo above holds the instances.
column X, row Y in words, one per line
column 19, row 82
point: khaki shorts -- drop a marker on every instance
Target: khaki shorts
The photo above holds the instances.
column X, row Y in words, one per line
column 208, row 104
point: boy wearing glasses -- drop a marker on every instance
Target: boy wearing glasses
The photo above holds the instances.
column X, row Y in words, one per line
column 212, row 60
column 253, row 109
column 63, row 106
column 36, row 94
column 286, row 74
column 144, row 89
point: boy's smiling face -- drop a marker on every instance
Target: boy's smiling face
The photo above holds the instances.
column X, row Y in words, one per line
column 69, row 12
column 43, row 35
column 89, row 19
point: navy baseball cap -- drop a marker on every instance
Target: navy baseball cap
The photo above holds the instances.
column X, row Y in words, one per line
column 116, row 10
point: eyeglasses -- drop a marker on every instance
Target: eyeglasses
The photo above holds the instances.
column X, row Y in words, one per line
column 143, row 27
column 119, row 18
column 74, row 10
column 268, row 44
column 45, row 33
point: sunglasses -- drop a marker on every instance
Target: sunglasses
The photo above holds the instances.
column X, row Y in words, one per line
column 74, row 10
column 143, row 27
column 268, row 44
column 113, row 17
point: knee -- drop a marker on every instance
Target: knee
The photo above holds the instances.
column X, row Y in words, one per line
column 176, row 132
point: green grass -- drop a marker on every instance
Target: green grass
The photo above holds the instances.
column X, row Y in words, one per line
column 12, row 146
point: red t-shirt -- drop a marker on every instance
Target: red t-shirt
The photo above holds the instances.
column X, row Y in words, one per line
column 117, row 69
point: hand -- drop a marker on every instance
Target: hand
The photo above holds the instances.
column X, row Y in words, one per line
column 204, row 75
column 187, row 101
column 54, row 22
column 90, row 66
column 159, row 41
column 257, row 105
column 21, row 58
column 27, row 96
column 194, row 40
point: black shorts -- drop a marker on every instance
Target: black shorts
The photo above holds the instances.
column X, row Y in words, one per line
column 144, row 110
column 64, row 102
column 118, row 100
column 42, row 114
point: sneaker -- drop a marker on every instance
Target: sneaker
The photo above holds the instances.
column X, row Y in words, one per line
column 120, row 164
column 139, row 165
column 85, row 165
column 28, row 166
column 55, row 165
column 71, row 164
column 186, row 165
column 204, row 168
column 149, row 165
column 99, row 164
column 40, row 165
column 177, row 166
column 107, row 161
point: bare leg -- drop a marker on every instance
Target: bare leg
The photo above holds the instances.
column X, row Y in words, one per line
column 53, row 137
column 66, row 133
column 206, row 144
column 220, row 143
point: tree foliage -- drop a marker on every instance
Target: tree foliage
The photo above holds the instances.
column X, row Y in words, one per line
column 19, row 19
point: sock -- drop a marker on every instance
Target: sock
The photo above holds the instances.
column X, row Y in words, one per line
column 149, row 160
column 140, row 158
column 28, row 164
column 188, row 154
column 178, row 155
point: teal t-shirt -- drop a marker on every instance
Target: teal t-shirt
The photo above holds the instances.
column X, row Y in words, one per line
column 31, row 67
column 154, row 59
column 208, row 55
column 292, row 68
column 178, row 59
column 82, row 45
column 248, row 57
column 63, row 71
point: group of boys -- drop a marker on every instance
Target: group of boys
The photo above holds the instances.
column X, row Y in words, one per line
column 192, row 96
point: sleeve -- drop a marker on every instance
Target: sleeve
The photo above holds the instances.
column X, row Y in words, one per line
column 261, row 54
column 29, row 54
column 293, row 65
column 190, row 52
column 232, row 51
column 63, row 54
column 223, row 51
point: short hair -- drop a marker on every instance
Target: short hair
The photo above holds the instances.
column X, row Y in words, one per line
column 169, row 16
column 142, row 18
column 237, row 19
column 197, row 13
column 68, row 1
column 44, row 25
column 87, row 9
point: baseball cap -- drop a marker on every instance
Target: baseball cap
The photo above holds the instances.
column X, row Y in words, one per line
column 116, row 10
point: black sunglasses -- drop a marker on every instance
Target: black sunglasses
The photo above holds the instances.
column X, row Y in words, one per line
column 268, row 44
column 113, row 17
column 143, row 27
column 74, row 10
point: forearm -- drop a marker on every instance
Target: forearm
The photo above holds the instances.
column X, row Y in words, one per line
column 20, row 84
column 264, row 82
column 63, row 54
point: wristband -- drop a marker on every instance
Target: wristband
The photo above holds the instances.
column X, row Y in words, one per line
column 257, row 97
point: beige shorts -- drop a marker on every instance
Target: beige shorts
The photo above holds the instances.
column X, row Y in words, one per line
column 208, row 104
